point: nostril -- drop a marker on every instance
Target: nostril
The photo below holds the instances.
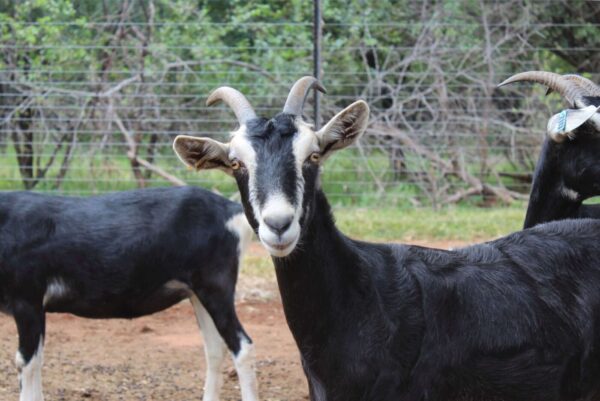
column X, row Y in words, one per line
column 278, row 224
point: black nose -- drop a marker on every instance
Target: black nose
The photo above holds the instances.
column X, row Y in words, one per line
column 278, row 224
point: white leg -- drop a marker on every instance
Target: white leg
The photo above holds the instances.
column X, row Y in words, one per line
column 214, row 350
column 30, row 375
column 244, row 365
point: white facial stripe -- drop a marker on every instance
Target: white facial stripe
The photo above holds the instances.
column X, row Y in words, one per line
column 305, row 143
column 30, row 375
column 277, row 205
column 241, row 149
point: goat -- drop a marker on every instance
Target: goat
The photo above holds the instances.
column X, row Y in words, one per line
column 567, row 172
column 124, row 255
column 512, row 319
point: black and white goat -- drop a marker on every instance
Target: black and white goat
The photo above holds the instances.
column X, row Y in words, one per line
column 513, row 319
column 124, row 255
column 568, row 170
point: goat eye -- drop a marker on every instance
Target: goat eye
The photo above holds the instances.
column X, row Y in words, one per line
column 314, row 157
column 235, row 164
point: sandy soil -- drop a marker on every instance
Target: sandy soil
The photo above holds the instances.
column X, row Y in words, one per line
column 159, row 357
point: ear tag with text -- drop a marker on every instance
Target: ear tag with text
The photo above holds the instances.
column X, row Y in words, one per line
column 562, row 124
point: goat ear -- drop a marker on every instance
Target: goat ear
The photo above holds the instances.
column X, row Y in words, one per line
column 202, row 153
column 344, row 128
column 564, row 123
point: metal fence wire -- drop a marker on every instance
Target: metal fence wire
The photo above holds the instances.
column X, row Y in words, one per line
column 93, row 93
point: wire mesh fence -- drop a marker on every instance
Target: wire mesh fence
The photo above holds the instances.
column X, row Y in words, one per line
column 93, row 93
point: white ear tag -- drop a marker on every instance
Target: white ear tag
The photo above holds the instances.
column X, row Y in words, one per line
column 565, row 122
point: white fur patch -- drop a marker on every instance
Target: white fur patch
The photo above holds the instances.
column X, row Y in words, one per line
column 19, row 361
column 241, row 149
column 30, row 375
column 278, row 206
column 305, row 143
column 214, row 351
column 244, row 365
column 569, row 193
column 56, row 290
column 239, row 226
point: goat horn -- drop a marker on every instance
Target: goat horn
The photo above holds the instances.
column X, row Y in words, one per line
column 234, row 99
column 295, row 100
column 566, row 87
column 589, row 86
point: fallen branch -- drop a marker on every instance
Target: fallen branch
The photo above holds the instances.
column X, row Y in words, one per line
column 155, row 169
column 476, row 186
column 77, row 93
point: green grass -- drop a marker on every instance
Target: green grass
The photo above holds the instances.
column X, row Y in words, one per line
column 258, row 267
column 346, row 178
column 453, row 223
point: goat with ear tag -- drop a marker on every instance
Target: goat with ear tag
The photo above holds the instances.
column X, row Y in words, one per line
column 568, row 169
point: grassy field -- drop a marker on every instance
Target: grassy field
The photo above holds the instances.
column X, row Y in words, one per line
column 454, row 223
column 348, row 178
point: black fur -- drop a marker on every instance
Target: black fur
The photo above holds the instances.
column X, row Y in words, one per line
column 572, row 164
column 271, row 139
column 115, row 253
column 513, row 319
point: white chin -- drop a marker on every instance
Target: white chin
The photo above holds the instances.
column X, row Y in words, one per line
column 280, row 250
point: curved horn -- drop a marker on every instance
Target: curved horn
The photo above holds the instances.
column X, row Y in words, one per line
column 567, row 88
column 234, row 99
column 295, row 100
column 588, row 85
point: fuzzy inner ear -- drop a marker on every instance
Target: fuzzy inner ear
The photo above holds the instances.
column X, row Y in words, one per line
column 202, row 153
column 344, row 128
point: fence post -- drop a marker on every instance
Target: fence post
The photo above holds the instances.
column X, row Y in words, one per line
column 317, row 36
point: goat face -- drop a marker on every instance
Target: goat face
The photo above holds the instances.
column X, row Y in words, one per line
column 572, row 149
column 276, row 162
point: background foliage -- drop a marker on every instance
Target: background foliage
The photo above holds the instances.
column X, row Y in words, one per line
column 93, row 92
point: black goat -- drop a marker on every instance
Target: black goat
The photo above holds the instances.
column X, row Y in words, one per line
column 513, row 319
column 124, row 255
column 568, row 171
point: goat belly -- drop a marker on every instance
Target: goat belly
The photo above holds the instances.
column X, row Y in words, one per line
column 123, row 306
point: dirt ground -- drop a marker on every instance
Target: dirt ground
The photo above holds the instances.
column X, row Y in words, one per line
column 159, row 357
